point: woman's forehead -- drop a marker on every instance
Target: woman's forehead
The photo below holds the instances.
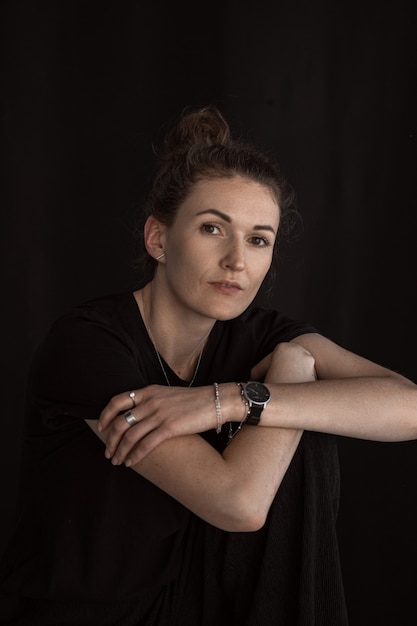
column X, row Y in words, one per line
column 232, row 196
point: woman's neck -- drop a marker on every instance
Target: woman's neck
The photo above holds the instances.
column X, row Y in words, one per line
column 178, row 336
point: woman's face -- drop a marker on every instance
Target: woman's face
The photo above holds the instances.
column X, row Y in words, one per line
column 219, row 248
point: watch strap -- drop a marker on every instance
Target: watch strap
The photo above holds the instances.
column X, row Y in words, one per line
column 254, row 414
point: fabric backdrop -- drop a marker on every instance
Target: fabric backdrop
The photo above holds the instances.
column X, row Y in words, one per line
column 328, row 88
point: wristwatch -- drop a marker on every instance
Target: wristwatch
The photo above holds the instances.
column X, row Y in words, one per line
column 258, row 395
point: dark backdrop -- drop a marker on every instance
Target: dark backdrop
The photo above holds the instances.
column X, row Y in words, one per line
column 328, row 89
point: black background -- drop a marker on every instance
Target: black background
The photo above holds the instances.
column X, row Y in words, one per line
column 329, row 89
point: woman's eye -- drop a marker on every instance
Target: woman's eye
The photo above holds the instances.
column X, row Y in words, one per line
column 211, row 229
column 259, row 241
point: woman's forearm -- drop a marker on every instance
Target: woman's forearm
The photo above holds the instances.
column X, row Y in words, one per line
column 232, row 491
column 353, row 397
column 375, row 408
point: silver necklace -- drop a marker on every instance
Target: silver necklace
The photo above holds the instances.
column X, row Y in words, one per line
column 159, row 356
column 162, row 365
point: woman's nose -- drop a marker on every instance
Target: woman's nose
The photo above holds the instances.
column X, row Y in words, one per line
column 234, row 257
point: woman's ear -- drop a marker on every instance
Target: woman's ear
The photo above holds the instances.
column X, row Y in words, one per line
column 154, row 237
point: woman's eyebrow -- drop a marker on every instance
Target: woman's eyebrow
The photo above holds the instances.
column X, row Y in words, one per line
column 226, row 218
column 223, row 216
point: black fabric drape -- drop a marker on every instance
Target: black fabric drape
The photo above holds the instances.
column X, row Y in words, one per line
column 327, row 88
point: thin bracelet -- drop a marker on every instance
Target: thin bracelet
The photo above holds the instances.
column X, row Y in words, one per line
column 245, row 417
column 218, row 408
column 245, row 402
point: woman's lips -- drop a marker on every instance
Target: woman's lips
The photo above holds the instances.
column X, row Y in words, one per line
column 227, row 288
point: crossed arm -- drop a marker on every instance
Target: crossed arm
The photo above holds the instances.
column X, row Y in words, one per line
column 315, row 385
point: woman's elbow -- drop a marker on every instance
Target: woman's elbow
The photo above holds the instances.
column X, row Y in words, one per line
column 246, row 513
column 253, row 523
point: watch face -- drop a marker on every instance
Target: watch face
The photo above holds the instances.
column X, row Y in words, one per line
column 257, row 392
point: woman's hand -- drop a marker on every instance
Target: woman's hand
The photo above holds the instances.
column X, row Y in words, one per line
column 165, row 412
column 161, row 413
column 232, row 490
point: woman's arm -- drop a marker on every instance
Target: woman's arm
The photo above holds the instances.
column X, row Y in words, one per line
column 232, row 491
column 353, row 397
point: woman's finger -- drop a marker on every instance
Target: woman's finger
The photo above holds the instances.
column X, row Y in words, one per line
column 120, row 426
column 115, row 433
column 160, row 413
column 146, row 444
column 121, row 446
column 122, row 402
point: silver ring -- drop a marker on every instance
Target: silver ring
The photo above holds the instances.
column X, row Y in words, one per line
column 132, row 397
column 130, row 418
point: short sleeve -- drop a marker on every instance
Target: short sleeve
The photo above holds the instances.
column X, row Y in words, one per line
column 80, row 365
column 271, row 327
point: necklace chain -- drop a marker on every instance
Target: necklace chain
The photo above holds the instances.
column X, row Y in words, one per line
column 231, row 434
column 162, row 365
column 159, row 356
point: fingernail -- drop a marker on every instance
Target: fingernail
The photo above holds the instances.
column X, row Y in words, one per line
column 114, row 461
column 107, row 454
column 99, row 427
column 128, row 463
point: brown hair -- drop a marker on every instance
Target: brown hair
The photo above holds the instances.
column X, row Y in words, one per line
column 200, row 146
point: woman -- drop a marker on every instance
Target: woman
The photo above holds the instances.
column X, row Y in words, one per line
column 215, row 495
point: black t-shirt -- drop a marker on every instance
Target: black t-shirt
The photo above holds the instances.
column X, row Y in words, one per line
column 86, row 530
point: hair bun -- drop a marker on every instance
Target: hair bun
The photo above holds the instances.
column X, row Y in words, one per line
column 204, row 126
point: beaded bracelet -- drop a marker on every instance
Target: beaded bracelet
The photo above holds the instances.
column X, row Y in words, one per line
column 218, row 408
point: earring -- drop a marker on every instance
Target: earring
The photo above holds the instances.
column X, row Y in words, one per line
column 160, row 256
